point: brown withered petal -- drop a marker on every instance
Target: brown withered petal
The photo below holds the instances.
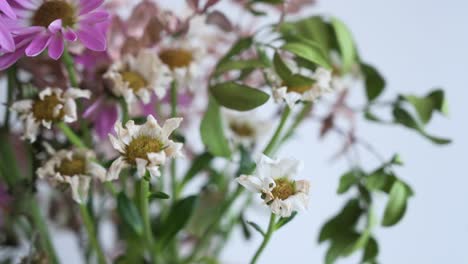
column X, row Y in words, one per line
column 220, row 20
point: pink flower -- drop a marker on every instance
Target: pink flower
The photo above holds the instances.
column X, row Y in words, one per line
column 49, row 23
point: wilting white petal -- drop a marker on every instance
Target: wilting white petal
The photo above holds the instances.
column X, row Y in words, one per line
column 251, row 183
column 117, row 144
column 96, row 170
column 74, row 93
column 281, row 208
column 154, row 171
column 22, row 106
column 70, row 111
column 115, row 169
column 141, row 167
column 157, row 158
column 80, row 188
column 170, row 125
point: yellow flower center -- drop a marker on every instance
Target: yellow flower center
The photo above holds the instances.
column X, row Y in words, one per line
column 140, row 147
column 284, row 188
column 299, row 89
column 52, row 10
column 134, row 79
column 176, row 58
column 75, row 166
column 44, row 109
column 242, row 129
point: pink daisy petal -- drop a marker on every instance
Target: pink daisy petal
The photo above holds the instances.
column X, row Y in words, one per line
column 92, row 38
column 70, row 35
column 6, row 40
column 56, row 46
column 95, row 17
column 55, row 26
column 8, row 59
column 27, row 4
column 89, row 5
column 6, row 9
column 38, row 45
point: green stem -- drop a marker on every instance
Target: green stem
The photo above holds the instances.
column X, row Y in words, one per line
column 11, row 87
column 74, row 139
column 143, row 201
column 173, row 161
column 272, row 145
column 298, row 120
column 92, row 234
column 124, row 107
column 269, row 149
column 41, row 227
column 266, row 239
column 70, row 65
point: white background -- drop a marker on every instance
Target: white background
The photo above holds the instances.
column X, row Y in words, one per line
column 418, row 45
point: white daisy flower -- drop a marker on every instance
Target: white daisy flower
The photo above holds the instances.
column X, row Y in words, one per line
column 145, row 146
column 76, row 167
column 245, row 128
column 139, row 77
column 292, row 94
column 184, row 60
column 273, row 179
column 51, row 106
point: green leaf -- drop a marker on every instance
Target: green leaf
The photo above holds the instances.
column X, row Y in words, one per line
column 245, row 229
column 396, row 205
column 312, row 29
column 178, row 217
column 281, row 68
column 345, row 44
column 246, row 163
column 338, row 246
column 403, row 117
column 199, row 163
column 347, row 180
column 212, row 131
column 426, row 105
column 371, row 251
column 375, row 83
column 241, row 45
column 230, row 65
column 158, row 195
column 256, row 227
column 129, row 213
column 362, row 240
column 309, row 51
column 237, row 96
column 342, row 223
column 284, row 220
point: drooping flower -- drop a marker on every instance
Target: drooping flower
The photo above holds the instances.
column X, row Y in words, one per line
column 76, row 167
column 183, row 59
column 291, row 94
column 145, row 146
column 48, row 23
column 52, row 105
column 245, row 128
column 139, row 76
column 273, row 179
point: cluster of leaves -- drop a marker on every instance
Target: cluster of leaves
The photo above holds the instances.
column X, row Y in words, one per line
column 343, row 230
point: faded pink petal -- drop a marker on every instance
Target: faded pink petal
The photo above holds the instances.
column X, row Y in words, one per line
column 89, row 5
column 91, row 38
column 6, row 40
column 38, row 45
column 6, row 9
column 55, row 26
column 56, row 46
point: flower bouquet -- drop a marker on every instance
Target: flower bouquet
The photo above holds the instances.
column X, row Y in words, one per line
column 164, row 124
